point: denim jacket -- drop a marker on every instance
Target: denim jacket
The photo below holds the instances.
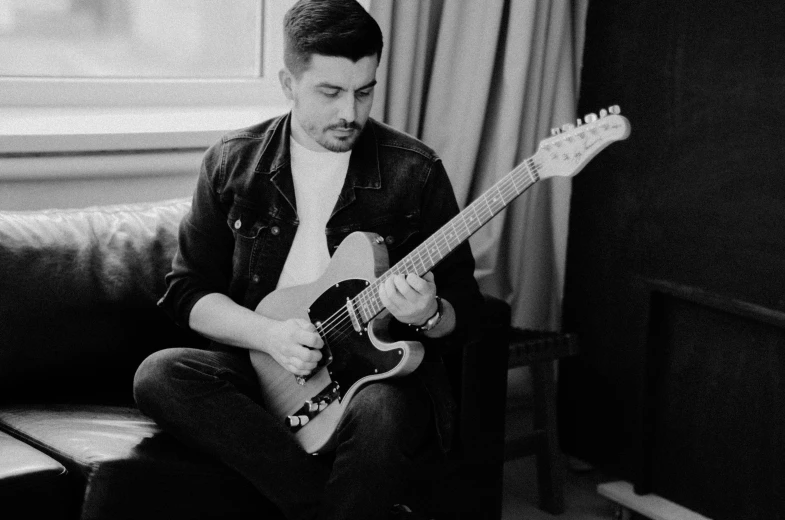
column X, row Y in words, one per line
column 243, row 219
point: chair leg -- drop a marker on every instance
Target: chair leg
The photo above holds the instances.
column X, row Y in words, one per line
column 551, row 471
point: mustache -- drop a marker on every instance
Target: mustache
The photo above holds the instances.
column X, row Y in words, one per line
column 345, row 126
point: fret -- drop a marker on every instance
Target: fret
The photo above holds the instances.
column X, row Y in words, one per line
column 450, row 233
column 476, row 220
column 433, row 247
column 409, row 261
column 516, row 182
column 450, row 238
column 466, row 221
column 417, row 266
column 484, row 199
column 504, row 182
column 420, row 255
column 497, row 205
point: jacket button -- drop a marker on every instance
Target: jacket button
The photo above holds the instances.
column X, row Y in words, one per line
column 275, row 230
column 390, row 239
column 238, row 224
column 256, row 278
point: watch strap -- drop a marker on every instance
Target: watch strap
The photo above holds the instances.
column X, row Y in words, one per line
column 431, row 322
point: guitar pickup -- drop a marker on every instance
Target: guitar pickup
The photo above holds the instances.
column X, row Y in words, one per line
column 312, row 407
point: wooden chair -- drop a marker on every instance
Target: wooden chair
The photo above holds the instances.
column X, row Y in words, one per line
column 538, row 350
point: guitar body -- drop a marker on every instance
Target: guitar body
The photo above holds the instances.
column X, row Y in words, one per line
column 356, row 357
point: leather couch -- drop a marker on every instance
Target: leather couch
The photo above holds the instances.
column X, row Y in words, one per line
column 77, row 316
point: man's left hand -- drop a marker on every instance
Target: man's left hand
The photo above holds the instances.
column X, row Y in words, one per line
column 411, row 299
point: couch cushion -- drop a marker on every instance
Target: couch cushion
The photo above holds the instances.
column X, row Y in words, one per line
column 32, row 484
column 128, row 468
column 79, row 289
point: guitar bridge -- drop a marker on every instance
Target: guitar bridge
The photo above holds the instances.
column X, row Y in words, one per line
column 312, row 407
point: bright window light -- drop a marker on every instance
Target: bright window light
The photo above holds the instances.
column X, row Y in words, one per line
column 143, row 39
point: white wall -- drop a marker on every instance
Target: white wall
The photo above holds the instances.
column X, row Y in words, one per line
column 121, row 182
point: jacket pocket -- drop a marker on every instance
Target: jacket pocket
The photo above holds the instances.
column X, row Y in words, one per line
column 244, row 220
column 246, row 223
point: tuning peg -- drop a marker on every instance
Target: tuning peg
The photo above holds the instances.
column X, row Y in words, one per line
column 555, row 131
column 590, row 118
column 567, row 127
column 614, row 110
column 603, row 113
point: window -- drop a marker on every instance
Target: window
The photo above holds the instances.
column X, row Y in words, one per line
column 128, row 75
column 131, row 38
column 103, row 75
column 123, row 96
column 140, row 52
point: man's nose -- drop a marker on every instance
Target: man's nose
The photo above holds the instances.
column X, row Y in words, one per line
column 348, row 110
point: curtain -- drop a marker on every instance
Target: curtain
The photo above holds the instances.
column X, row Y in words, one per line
column 483, row 83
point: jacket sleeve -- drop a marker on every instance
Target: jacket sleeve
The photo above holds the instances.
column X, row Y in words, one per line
column 203, row 262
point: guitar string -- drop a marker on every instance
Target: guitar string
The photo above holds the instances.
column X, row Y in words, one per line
column 338, row 331
column 368, row 297
column 341, row 323
column 442, row 241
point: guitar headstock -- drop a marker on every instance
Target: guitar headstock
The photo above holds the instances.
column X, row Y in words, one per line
column 571, row 147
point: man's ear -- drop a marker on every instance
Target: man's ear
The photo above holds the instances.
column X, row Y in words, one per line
column 286, row 79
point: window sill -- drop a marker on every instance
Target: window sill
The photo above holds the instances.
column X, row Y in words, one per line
column 75, row 130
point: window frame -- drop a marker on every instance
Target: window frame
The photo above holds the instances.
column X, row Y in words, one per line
column 65, row 127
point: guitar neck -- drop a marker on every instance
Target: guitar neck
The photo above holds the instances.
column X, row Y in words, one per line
column 455, row 232
column 564, row 154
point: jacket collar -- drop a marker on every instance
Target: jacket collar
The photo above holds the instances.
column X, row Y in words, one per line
column 364, row 171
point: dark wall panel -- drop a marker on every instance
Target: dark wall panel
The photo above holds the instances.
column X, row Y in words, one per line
column 695, row 196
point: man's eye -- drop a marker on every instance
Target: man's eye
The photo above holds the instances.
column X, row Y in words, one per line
column 330, row 93
column 363, row 93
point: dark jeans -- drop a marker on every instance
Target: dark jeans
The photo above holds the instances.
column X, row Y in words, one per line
column 211, row 401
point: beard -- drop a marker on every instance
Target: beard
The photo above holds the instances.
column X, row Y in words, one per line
column 344, row 141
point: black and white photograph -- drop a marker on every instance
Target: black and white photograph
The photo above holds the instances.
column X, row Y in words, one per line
column 392, row 259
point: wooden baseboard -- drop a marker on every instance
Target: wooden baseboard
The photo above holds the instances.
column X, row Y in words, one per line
column 650, row 506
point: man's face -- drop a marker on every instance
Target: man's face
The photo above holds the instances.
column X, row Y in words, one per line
column 332, row 101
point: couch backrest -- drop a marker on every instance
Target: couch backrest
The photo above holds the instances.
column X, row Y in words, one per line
column 78, row 292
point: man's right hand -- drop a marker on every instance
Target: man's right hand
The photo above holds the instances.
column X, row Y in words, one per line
column 294, row 344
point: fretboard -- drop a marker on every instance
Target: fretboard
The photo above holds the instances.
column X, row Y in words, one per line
column 436, row 247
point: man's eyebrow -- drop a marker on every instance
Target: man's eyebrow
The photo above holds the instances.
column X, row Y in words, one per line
column 327, row 84
column 369, row 85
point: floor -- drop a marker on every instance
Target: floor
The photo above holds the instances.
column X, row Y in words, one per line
column 520, row 477
column 581, row 499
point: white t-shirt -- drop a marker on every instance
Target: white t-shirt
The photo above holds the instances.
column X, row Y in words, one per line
column 318, row 179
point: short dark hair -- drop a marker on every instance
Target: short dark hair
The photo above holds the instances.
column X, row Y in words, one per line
column 341, row 28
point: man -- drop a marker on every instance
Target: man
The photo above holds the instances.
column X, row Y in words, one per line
column 271, row 204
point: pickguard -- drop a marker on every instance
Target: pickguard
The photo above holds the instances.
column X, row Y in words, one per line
column 350, row 354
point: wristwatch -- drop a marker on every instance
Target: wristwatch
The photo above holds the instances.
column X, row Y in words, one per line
column 431, row 322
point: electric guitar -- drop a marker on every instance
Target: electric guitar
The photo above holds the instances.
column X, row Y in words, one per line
column 344, row 306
